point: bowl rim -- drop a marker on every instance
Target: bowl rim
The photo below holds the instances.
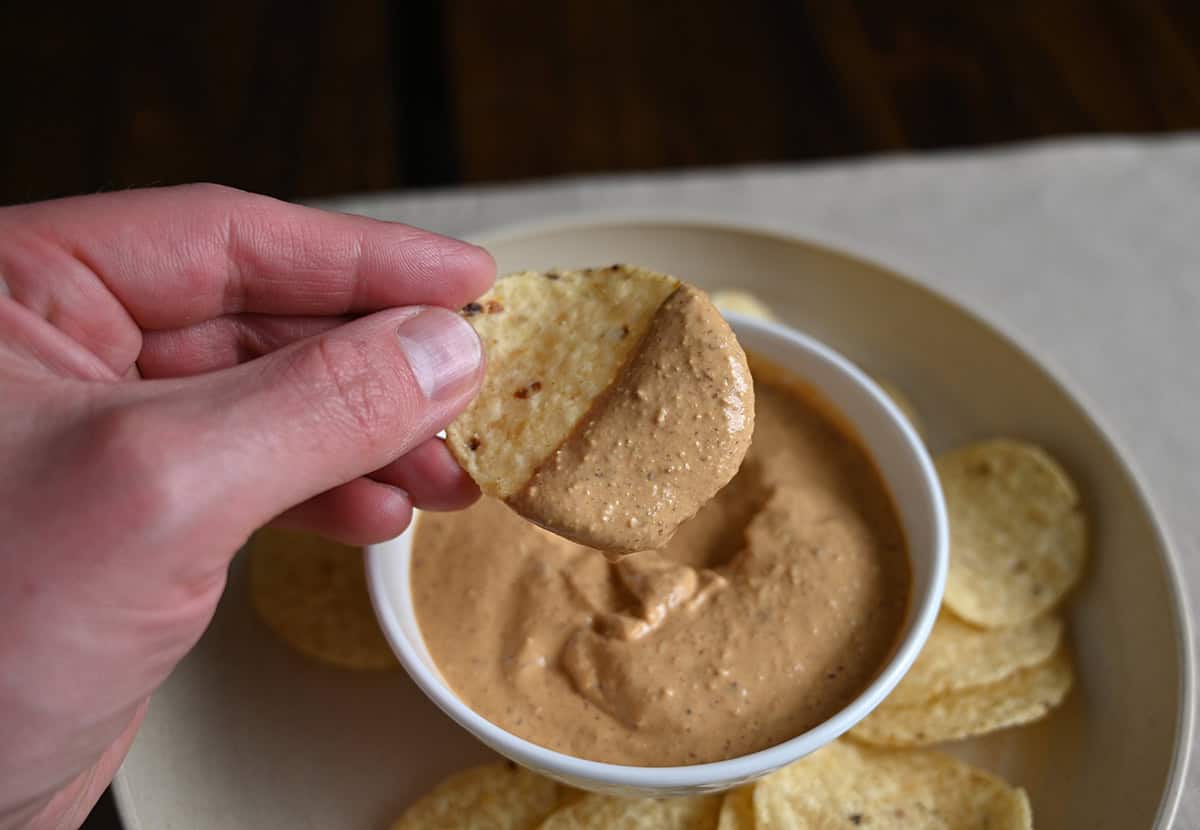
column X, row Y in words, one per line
column 925, row 609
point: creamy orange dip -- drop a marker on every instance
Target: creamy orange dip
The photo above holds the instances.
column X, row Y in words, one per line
column 766, row 613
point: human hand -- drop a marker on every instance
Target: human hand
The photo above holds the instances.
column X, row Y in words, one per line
column 177, row 368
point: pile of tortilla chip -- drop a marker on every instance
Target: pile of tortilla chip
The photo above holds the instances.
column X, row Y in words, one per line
column 996, row 658
column 845, row 784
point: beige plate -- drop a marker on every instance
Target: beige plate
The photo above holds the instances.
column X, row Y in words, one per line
column 246, row 734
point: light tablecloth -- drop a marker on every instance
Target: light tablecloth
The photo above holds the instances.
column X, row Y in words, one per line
column 1088, row 251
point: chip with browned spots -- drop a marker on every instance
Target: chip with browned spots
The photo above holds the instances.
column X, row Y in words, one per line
column 571, row 352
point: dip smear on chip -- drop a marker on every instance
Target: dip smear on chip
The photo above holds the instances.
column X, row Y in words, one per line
column 617, row 401
column 768, row 611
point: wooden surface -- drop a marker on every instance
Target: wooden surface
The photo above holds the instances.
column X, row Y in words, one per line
column 302, row 99
column 307, row 99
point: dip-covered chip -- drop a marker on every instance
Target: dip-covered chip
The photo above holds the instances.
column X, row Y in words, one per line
column 616, row 402
column 1018, row 538
column 312, row 592
column 498, row 796
column 848, row 785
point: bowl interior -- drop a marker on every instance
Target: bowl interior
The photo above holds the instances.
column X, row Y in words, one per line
column 907, row 472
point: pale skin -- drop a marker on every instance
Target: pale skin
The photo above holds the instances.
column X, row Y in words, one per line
column 179, row 367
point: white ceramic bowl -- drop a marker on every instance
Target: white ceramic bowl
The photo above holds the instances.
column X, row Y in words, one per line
column 909, row 474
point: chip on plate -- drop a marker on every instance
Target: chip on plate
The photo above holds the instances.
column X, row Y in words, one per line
column 498, row 796
column 737, row 810
column 958, row 655
column 1022, row 697
column 554, row 342
column 845, row 785
column 1018, row 538
column 609, row 812
column 902, row 403
column 743, row 303
column 312, row 593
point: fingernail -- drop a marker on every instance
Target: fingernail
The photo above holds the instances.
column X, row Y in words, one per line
column 443, row 352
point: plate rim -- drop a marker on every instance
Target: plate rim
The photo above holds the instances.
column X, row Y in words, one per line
column 897, row 267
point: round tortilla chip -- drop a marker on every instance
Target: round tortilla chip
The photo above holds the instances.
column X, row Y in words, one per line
column 581, row 411
column 1018, row 538
column 554, row 341
column 845, row 785
column 499, row 796
column 958, row 655
column 1022, row 697
column 312, row 593
column 609, row 812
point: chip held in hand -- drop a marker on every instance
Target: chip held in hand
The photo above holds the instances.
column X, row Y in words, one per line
column 617, row 401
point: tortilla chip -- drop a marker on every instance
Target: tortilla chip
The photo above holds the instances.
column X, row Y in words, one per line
column 499, row 796
column 312, row 593
column 554, row 342
column 743, row 303
column 609, row 812
column 737, row 810
column 845, row 785
column 1018, row 538
column 959, row 655
column 1022, row 697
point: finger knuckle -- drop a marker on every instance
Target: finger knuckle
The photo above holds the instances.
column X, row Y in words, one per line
column 134, row 448
column 351, row 388
column 215, row 191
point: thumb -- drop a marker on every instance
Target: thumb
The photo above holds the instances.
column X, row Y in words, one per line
column 318, row 413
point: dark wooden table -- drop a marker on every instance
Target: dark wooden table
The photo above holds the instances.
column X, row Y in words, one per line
column 302, row 99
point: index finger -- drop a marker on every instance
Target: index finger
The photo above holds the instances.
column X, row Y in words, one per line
column 179, row 255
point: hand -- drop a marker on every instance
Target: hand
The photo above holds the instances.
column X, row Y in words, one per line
column 177, row 368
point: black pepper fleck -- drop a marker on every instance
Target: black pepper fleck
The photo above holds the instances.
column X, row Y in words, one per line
column 856, row 818
column 474, row 443
column 471, row 309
